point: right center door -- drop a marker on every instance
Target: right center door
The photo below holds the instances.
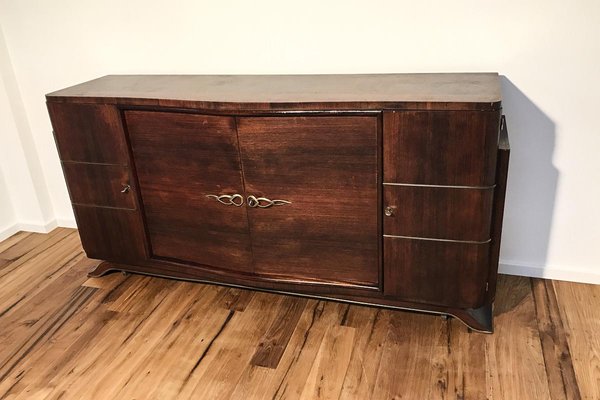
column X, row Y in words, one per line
column 322, row 175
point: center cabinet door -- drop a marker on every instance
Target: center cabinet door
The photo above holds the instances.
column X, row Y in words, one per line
column 183, row 162
column 325, row 169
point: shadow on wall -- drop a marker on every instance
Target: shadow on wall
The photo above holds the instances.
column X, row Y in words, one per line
column 532, row 183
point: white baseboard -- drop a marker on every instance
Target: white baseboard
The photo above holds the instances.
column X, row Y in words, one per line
column 66, row 223
column 8, row 231
column 39, row 228
column 549, row 272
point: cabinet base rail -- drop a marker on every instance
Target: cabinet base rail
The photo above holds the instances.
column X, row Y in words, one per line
column 478, row 319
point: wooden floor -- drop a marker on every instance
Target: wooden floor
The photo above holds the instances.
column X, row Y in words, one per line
column 134, row 337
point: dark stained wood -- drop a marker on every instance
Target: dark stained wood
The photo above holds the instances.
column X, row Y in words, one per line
column 274, row 342
column 99, row 185
column 426, row 271
column 438, row 212
column 324, row 143
column 498, row 211
column 111, row 234
column 293, row 92
column 440, row 147
column 327, row 167
column 562, row 381
column 88, row 132
column 180, row 159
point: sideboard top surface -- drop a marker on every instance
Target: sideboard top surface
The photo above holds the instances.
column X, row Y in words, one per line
column 247, row 92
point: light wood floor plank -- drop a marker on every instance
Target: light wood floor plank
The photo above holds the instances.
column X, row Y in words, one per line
column 515, row 361
column 221, row 368
column 274, row 342
column 64, row 336
column 329, row 369
column 579, row 306
column 11, row 241
column 405, row 369
column 371, row 326
column 33, row 242
column 557, row 356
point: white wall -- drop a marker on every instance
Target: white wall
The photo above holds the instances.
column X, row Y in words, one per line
column 7, row 214
column 548, row 52
column 24, row 198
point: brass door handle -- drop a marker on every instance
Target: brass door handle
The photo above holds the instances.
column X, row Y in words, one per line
column 263, row 202
column 228, row 199
column 126, row 188
column 389, row 211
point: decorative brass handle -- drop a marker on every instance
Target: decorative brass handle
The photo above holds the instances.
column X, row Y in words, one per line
column 126, row 188
column 263, row 202
column 228, row 199
column 389, row 211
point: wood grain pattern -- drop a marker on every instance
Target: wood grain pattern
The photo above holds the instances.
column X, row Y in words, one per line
column 562, row 382
column 317, row 141
column 516, row 341
column 410, row 355
column 371, row 332
column 13, row 241
column 327, row 167
column 88, row 133
column 99, row 185
column 64, row 336
column 439, row 213
column 274, row 342
column 580, row 313
column 440, row 147
column 328, row 371
column 180, row 159
column 281, row 92
column 104, row 232
column 414, row 272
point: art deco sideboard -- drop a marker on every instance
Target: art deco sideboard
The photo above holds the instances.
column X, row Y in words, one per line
column 385, row 190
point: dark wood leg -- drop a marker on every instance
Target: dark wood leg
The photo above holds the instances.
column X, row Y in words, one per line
column 101, row 269
column 478, row 319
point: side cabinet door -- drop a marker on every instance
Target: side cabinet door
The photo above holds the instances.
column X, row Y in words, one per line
column 191, row 187
column 314, row 211
column 439, row 176
column 93, row 152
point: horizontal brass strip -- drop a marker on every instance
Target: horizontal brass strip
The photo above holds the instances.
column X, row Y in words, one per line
column 93, row 163
column 99, row 206
column 437, row 240
column 439, row 186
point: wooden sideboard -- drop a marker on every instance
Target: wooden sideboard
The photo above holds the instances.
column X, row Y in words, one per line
column 385, row 190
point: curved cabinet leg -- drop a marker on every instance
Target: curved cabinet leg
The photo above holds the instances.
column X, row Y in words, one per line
column 101, row 269
column 478, row 319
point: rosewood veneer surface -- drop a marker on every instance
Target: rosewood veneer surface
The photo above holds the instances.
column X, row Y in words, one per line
column 378, row 189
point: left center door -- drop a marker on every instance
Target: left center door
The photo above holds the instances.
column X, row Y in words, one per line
column 185, row 164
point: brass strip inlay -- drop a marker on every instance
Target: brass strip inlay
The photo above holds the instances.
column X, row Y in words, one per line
column 101, row 206
column 437, row 240
column 439, row 186
column 94, row 163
